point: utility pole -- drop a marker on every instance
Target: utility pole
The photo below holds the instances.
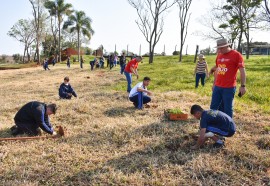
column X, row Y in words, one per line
column 140, row 50
column 127, row 50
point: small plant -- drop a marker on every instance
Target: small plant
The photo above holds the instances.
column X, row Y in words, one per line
column 175, row 111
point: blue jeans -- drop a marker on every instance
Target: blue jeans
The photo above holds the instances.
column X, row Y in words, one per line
column 222, row 99
column 122, row 68
column 198, row 77
column 140, row 99
column 129, row 80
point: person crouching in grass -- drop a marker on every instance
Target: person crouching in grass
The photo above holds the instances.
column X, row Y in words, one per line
column 214, row 124
column 139, row 93
column 65, row 90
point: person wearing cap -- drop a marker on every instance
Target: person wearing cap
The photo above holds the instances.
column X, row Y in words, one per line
column 201, row 71
column 130, row 68
column 139, row 94
column 65, row 90
column 228, row 62
column 31, row 117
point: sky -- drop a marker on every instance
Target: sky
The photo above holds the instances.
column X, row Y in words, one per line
column 114, row 24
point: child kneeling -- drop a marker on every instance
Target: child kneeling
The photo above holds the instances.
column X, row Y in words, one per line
column 213, row 124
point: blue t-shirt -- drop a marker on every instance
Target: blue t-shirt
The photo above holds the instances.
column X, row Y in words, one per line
column 217, row 119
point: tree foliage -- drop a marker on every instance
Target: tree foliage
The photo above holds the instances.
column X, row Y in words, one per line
column 23, row 31
column 80, row 23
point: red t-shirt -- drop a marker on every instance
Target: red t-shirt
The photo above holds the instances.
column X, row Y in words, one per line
column 227, row 66
column 133, row 63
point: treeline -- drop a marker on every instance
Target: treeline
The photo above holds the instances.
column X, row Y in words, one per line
column 54, row 25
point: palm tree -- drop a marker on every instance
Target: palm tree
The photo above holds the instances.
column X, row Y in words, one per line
column 60, row 9
column 80, row 23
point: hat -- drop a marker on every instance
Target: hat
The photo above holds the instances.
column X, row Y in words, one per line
column 201, row 56
column 222, row 43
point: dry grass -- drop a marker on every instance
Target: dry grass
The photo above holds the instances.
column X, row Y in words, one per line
column 109, row 142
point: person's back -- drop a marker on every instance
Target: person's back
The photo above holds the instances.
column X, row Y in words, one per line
column 217, row 119
column 28, row 112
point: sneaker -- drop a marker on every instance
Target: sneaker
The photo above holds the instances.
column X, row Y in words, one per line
column 218, row 145
column 222, row 138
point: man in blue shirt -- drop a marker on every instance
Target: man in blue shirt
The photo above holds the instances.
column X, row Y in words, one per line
column 32, row 116
column 213, row 123
column 65, row 90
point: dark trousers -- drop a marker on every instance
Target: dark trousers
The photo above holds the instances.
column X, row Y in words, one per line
column 111, row 65
column 222, row 99
column 198, row 77
column 92, row 64
column 122, row 68
column 140, row 99
column 28, row 128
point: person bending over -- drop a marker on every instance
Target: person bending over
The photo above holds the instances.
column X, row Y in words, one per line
column 139, row 94
column 213, row 124
column 31, row 117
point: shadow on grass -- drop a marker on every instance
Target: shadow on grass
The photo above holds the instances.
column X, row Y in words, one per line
column 119, row 111
column 168, row 148
column 6, row 133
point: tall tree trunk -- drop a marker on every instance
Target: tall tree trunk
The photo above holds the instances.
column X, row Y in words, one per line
column 79, row 53
column 151, row 54
column 24, row 52
column 59, row 40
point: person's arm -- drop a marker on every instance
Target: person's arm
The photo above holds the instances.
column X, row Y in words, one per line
column 195, row 69
column 206, row 69
column 201, row 139
column 134, row 71
column 139, row 89
column 242, row 88
column 43, row 123
column 73, row 92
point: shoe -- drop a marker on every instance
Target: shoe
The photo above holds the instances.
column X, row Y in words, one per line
column 16, row 131
column 222, row 138
column 218, row 145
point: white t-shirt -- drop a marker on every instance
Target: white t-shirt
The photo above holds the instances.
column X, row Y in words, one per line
column 134, row 90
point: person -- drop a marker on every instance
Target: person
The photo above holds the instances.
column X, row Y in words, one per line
column 228, row 62
column 139, row 93
column 201, row 71
column 111, row 61
column 122, row 63
column 213, row 124
column 68, row 62
column 101, row 62
column 53, row 61
column 115, row 59
column 130, row 68
column 82, row 61
column 65, row 90
column 46, row 64
column 31, row 117
column 92, row 63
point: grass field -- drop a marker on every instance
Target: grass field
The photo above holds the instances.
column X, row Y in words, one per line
column 109, row 142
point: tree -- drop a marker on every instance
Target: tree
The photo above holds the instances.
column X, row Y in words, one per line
column 38, row 13
column 60, row 9
column 151, row 20
column 265, row 17
column 23, row 31
column 184, row 18
column 80, row 23
column 242, row 15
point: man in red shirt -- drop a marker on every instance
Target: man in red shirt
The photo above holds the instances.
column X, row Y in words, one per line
column 228, row 62
column 130, row 68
